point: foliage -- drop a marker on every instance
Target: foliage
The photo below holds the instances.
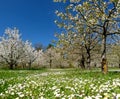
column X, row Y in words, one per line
column 14, row 51
column 88, row 22
column 11, row 47
column 30, row 53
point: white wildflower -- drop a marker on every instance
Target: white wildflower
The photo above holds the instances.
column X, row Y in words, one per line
column 118, row 96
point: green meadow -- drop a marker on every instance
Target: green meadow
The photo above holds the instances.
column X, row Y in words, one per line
column 59, row 84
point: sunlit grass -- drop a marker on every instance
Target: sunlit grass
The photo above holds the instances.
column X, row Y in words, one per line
column 59, row 84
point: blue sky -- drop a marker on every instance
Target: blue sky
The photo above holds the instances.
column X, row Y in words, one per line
column 34, row 19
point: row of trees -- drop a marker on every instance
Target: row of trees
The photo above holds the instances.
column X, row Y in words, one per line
column 87, row 26
column 90, row 33
column 14, row 53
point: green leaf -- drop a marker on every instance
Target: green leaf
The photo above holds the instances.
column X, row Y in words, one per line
column 116, row 1
column 64, row 1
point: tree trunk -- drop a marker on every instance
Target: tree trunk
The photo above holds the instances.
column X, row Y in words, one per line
column 61, row 60
column 82, row 62
column 119, row 62
column 50, row 63
column 104, row 66
column 23, row 65
column 29, row 64
column 11, row 66
column 88, row 59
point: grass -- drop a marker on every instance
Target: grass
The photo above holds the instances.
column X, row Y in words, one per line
column 58, row 84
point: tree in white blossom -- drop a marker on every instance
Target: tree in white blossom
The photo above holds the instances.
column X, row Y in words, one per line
column 50, row 55
column 115, row 53
column 76, row 36
column 40, row 60
column 101, row 17
column 11, row 47
column 30, row 54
